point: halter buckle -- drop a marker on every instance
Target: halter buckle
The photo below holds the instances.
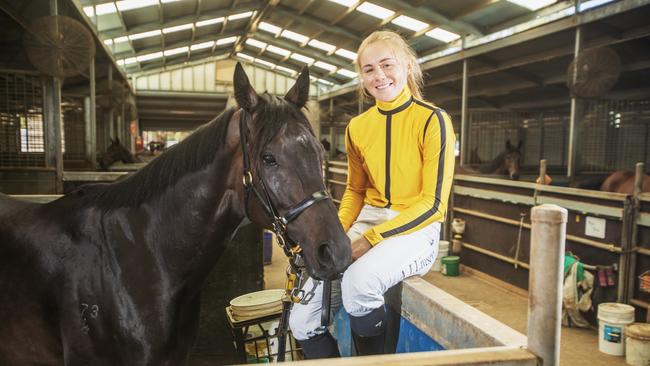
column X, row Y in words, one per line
column 247, row 179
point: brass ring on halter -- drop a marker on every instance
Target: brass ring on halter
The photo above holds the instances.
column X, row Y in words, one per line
column 247, row 179
column 296, row 249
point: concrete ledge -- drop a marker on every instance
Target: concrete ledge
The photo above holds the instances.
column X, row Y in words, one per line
column 452, row 323
column 37, row 198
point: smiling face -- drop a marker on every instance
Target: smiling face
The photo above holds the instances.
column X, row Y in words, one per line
column 383, row 75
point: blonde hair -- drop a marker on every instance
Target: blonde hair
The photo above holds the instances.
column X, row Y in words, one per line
column 404, row 53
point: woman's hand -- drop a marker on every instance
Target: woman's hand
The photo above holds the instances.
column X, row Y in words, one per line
column 359, row 247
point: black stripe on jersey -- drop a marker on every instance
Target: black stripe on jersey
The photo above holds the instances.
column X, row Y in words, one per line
column 426, row 125
column 423, row 104
column 441, row 170
column 396, row 109
column 389, row 119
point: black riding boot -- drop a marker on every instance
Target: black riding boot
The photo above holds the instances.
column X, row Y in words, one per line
column 320, row 346
column 368, row 332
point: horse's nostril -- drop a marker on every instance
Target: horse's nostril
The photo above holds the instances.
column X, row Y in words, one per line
column 324, row 253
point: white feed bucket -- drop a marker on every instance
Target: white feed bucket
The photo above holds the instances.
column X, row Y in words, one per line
column 612, row 319
column 443, row 251
column 637, row 344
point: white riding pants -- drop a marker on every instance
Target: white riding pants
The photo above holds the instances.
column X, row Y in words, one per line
column 367, row 279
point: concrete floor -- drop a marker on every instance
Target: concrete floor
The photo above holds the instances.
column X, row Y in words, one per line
column 579, row 346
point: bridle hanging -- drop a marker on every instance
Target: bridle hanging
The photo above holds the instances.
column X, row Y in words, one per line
column 279, row 222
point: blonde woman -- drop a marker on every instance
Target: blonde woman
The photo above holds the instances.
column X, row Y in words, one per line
column 400, row 171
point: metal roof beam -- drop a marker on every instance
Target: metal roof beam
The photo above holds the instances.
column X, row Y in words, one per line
column 337, row 30
column 150, row 26
column 208, row 38
column 307, row 51
column 427, row 14
column 252, row 25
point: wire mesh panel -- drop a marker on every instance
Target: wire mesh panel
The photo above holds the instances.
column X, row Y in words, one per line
column 74, row 129
column 21, row 121
column 489, row 131
column 614, row 135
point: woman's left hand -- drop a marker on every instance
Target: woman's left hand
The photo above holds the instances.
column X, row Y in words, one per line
column 359, row 247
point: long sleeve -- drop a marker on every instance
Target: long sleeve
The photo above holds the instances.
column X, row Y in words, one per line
column 437, row 178
column 355, row 190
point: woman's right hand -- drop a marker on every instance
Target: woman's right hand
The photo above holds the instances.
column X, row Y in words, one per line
column 360, row 246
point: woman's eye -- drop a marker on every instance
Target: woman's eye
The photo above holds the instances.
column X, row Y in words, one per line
column 269, row 159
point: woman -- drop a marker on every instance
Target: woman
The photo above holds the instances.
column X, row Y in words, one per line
column 400, row 171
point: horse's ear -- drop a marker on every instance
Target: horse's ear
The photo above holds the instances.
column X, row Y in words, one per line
column 299, row 93
column 244, row 93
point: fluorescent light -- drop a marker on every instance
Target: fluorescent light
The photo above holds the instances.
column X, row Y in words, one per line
column 177, row 28
column 347, row 3
column 592, row 4
column 150, row 56
column 286, row 69
column 345, row 53
column 245, row 56
column 120, row 62
column 121, row 39
column 442, row 35
column 134, row 4
column 302, row 58
column 347, row 73
column 108, row 42
column 130, row 60
column 325, row 66
column 322, row 45
column 278, row 50
column 209, row 21
column 89, row 10
column 256, row 43
column 410, row 23
column 169, row 1
column 533, row 4
column 152, row 33
column 375, row 10
column 107, row 8
column 323, row 81
column 240, row 15
column 176, row 51
column 227, row 40
column 294, row 36
column 200, row 46
column 269, row 27
column 264, row 62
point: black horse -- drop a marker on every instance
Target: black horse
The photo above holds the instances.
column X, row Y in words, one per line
column 111, row 274
column 116, row 152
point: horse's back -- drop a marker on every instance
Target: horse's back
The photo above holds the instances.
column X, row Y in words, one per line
column 9, row 205
column 622, row 181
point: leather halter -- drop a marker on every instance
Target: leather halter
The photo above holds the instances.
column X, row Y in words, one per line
column 279, row 222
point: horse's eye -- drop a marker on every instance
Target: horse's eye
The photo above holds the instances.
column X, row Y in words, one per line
column 269, row 159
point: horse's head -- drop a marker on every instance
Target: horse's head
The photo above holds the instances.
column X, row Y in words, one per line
column 115, row 152
column 512, row 159
column 285, row 161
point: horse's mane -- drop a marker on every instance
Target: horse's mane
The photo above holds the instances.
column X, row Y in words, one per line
column 192, row 154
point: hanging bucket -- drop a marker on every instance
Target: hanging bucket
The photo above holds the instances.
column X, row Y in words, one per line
column 637, row 344
column 612, row 319
column 443, row 251
column 450, row 265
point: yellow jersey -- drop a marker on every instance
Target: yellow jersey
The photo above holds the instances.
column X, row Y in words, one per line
column 400, row 156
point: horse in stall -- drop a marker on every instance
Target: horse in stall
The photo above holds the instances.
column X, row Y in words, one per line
column 506, row 163
column 110, row 274
column 116, row 152
column 622, row 181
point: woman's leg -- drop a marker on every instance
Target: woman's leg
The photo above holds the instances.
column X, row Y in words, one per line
column 367, row 279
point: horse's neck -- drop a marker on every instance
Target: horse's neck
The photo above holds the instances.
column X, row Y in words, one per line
column 495, row 166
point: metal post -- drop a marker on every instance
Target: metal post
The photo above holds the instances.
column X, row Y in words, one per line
column 463, row 117
column 636, row 206
column 111, row 127
column 576, row 107
column 91, row 145
column 548, row 234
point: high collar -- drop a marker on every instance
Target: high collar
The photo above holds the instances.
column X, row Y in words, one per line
column 398, row 104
